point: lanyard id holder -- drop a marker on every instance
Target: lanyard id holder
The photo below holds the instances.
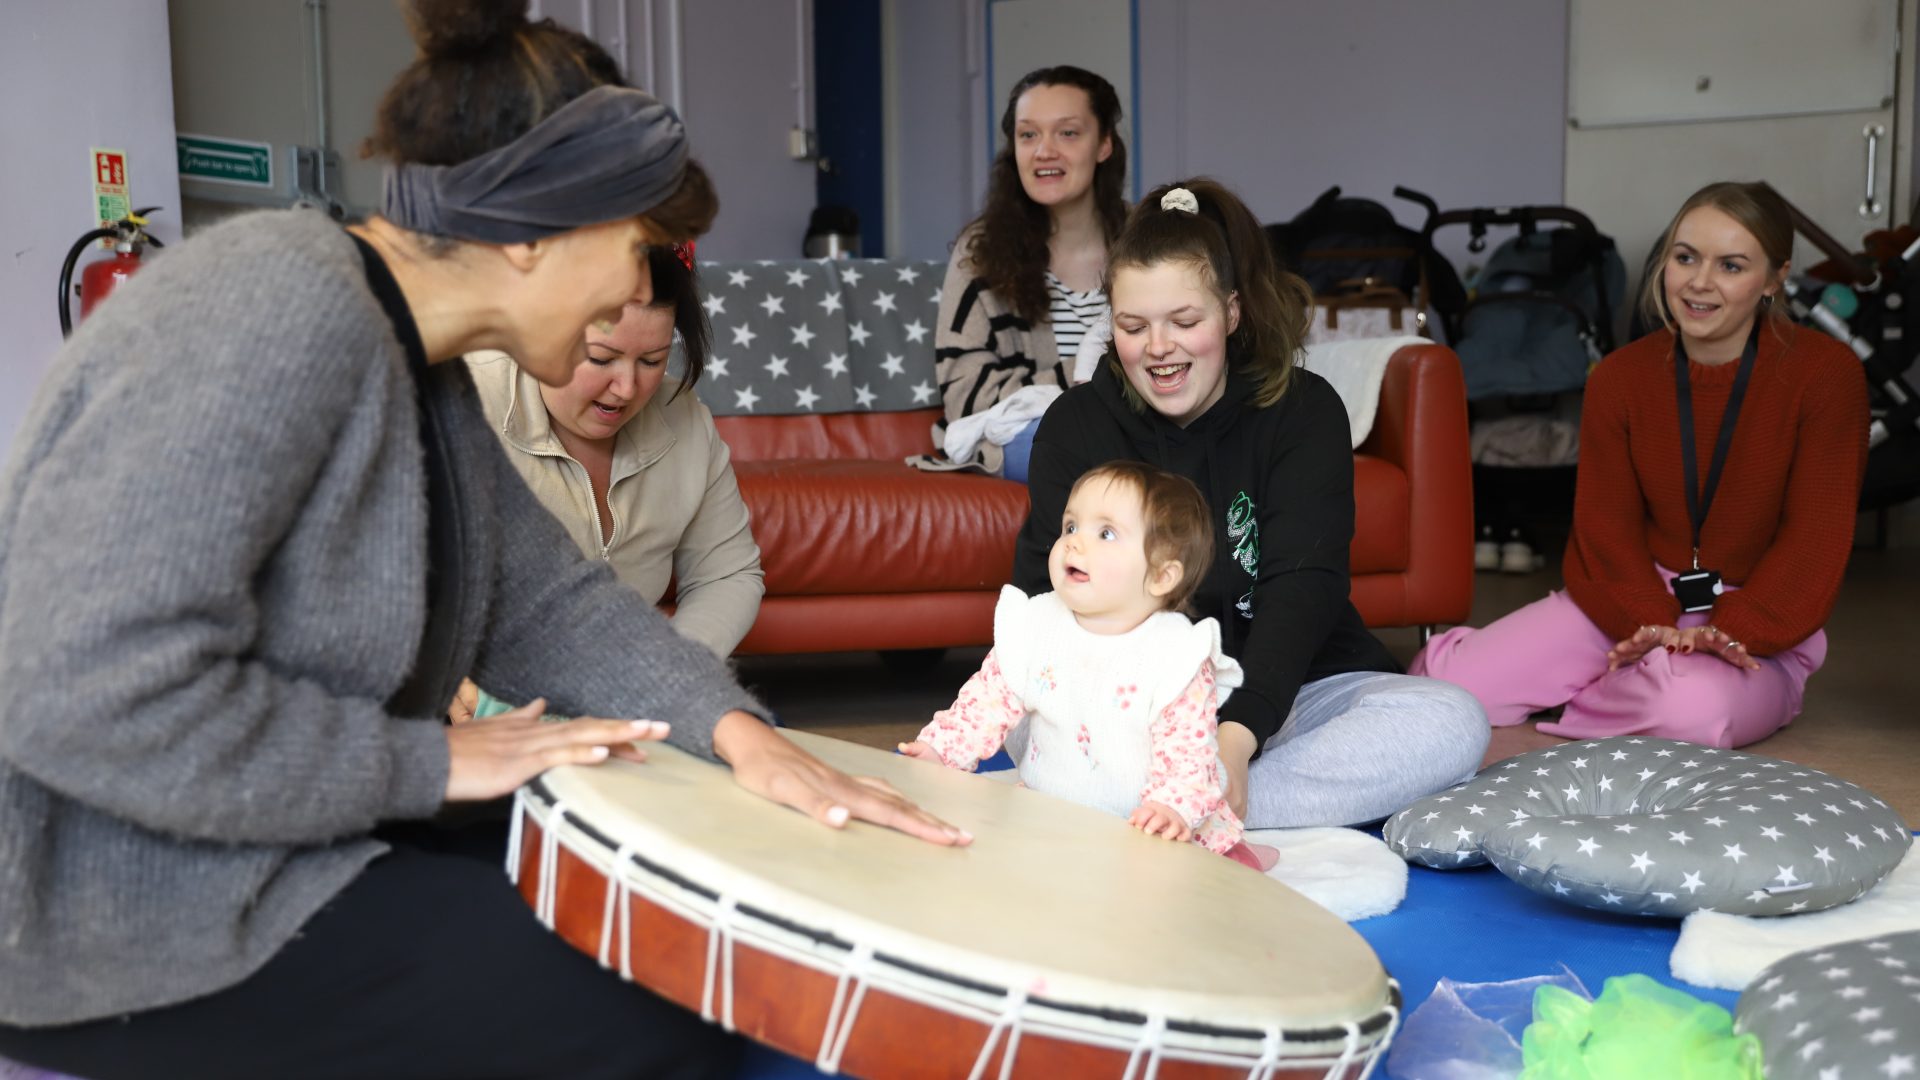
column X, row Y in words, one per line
column 1697, row 589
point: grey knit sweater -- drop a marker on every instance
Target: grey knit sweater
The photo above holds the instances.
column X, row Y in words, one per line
column 213, row 559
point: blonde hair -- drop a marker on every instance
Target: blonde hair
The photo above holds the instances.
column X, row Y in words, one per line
column 1178, row 522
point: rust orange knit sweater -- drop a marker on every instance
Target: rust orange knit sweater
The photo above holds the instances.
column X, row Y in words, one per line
column 1781, row 523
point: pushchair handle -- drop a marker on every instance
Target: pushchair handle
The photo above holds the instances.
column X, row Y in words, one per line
column 1859, row 269
column 1420, row 197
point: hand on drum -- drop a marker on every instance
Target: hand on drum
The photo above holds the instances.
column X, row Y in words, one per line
column 1156, row 819
column 492, row 757
column 772, row 767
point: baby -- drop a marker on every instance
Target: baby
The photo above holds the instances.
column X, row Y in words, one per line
column 1121, row 690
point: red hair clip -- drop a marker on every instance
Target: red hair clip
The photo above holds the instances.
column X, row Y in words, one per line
column 685, row 253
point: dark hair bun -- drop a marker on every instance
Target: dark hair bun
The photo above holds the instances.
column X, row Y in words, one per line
column 456, row 27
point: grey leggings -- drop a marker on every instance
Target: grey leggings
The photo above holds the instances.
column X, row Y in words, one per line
column 1360, row 746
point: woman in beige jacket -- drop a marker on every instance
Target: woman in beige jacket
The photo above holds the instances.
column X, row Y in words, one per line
column 639, row 479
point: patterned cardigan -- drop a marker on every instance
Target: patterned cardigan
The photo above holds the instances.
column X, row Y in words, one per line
column 983, row 351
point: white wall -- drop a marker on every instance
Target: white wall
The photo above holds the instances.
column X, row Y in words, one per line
column 74, row 74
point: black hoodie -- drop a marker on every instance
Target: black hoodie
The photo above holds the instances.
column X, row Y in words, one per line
column 1280, row 482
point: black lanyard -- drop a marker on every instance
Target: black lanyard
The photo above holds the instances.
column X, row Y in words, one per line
column 1699, row 501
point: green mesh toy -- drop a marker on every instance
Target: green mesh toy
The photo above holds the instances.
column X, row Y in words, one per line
column 1637, row 1028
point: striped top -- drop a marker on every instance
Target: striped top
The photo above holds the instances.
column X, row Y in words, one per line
column 1073, row 313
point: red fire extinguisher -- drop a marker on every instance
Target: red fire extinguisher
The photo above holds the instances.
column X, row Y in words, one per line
column 102, row 276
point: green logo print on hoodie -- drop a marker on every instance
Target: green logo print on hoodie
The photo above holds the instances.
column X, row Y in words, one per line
column 1244, row 532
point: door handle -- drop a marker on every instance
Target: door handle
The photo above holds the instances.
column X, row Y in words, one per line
column 1872, row 206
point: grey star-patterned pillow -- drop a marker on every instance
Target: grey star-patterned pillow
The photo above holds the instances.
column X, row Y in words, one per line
column 1840, row 1011
column 1657, row 827
column 792, row 337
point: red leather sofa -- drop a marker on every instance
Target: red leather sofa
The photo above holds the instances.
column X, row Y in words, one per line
column 862, row 552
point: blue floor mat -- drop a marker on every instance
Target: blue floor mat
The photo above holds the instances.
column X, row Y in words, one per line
column 1469, row 926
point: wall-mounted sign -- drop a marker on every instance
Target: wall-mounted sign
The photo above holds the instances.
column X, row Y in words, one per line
column 225, row 161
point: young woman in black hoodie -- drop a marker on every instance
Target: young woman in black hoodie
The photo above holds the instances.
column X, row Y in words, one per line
column 1201, row 381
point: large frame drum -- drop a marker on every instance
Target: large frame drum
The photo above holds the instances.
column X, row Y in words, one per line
column 1061, row 943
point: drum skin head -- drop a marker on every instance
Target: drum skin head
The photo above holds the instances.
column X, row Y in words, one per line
column 1067, row 903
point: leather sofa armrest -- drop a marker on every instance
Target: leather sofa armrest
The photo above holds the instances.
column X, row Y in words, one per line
column 1421, row 426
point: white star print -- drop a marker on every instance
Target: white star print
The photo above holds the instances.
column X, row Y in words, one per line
column 1672, row 782
column 1757, row 895
column 1431, row 814
column 1785, row 1001
column 807, row 398
column 836, row 363
column 1663, row 897
column 796, row 276
column 1663, row 753
column 1776, row 981
column 1849, row 993
column 858, row 333
column 1606, row 783
column 1641, row 862
column 1771, row 833
column 1645, row 773
column 1588, row 847
column 736, row 278
column 1680, row 837
column 915, row 331
column 1898, row 1065
column 894, row 365
column 716, row 367
column 716, row 305
column 1837, row 973
column 1804, row 819
column 935, row 298
column 1618, row 755
column 1881, row 1036
column 1610, row 898
column 743, row 335
column 1734, row 853
column 1856, row 841
column 1571, row 793
column 830, row 303
column 1866, row 1016
column 744, row 398
column 884, row 302
column 802, row 336
column 1533, row 793
column 863, row 397
column 1579, row 763
column 1624, row 827
column 1541, row 772
column 1813, row 1047
column 1797, row 905
column 908, row 275
column 773, row 305
column 1785, row 876
column 1560, row 889
column 1693, row 884
column 1689, row 764
column 1716, row 822
column 1748, row 808
column 777, row 367
column 850, row 274
column 922, row 392
column 1477, row 811
column 1535, row 841
column 1831, row 1072
column 1889, row 961
column 1832, row 809
column 1821, row 854
column 1463, row 833
column 1551, row 753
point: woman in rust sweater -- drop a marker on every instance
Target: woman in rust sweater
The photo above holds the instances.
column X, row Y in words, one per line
column 1720, row 466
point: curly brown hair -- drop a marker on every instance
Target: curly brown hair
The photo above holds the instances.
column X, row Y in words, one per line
column 485, row 75
column 1226, row 242
column 1009, row 245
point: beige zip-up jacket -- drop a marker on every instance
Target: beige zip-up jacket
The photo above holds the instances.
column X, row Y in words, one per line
column 677, row 513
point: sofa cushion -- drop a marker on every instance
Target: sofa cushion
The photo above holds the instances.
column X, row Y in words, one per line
column 1382, row 516
column 880, row 436
column 851, row 526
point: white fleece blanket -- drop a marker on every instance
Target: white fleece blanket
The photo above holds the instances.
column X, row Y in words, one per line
column 999, row 424
column 1726, row 951
column 1349, row 873
column 1356, row 369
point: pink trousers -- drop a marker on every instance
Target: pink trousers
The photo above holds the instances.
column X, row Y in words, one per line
column 1549, row 653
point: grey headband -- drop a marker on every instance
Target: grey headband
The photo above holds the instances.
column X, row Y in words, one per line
column 608, row 154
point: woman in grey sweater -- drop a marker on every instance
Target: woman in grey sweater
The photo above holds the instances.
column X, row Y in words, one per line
column 255, row 529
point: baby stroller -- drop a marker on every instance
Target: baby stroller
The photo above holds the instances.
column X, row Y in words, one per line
column 1540, row 314
column 1354, row 254
column 1872, row 302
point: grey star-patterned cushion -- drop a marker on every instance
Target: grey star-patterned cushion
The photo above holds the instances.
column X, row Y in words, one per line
column 792, row 337
column 1841, row 1011
column 1658, row 827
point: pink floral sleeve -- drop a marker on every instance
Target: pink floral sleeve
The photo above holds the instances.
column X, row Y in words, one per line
column 979, row 720
column 1185, row 774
